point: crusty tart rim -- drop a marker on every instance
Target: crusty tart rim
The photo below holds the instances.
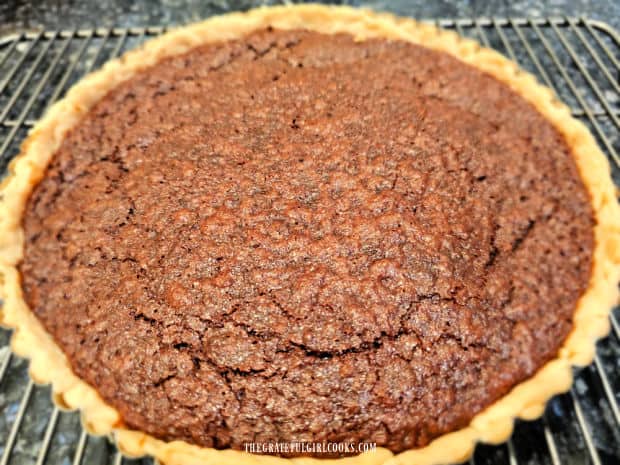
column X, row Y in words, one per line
column 494, row 425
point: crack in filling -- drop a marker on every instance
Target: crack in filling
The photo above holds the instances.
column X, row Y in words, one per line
column 299, row 237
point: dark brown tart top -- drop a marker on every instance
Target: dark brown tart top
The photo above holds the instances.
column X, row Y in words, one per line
column 300, row 237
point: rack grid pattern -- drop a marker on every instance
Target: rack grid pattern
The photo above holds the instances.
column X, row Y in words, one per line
column 577, row 57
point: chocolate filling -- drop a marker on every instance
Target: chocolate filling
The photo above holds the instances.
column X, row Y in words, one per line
column 300, row 237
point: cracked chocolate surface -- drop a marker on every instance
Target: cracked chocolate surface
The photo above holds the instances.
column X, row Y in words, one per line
column 299, row 237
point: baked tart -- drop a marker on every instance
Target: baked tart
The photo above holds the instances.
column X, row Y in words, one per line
column 308, row 225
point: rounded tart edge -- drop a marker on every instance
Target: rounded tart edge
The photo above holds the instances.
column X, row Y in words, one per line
column 48, row 364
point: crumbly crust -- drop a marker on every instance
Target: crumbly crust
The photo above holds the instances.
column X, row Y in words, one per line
column 494, row 424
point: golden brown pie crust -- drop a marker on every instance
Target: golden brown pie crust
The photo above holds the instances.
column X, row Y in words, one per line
column 493, row 425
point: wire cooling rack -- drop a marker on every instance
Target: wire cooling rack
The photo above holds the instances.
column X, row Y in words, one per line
column 577, row 57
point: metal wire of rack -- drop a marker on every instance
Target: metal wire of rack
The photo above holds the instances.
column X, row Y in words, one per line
column 577, row 57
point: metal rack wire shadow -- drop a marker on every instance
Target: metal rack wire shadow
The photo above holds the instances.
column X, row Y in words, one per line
column 577, row 57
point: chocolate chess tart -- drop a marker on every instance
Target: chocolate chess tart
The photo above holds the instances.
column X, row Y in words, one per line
column 308, row 224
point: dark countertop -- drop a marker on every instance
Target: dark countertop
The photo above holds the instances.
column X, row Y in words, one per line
column 29, row 14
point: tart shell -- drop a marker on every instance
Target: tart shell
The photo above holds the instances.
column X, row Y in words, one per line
column 48, row 364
